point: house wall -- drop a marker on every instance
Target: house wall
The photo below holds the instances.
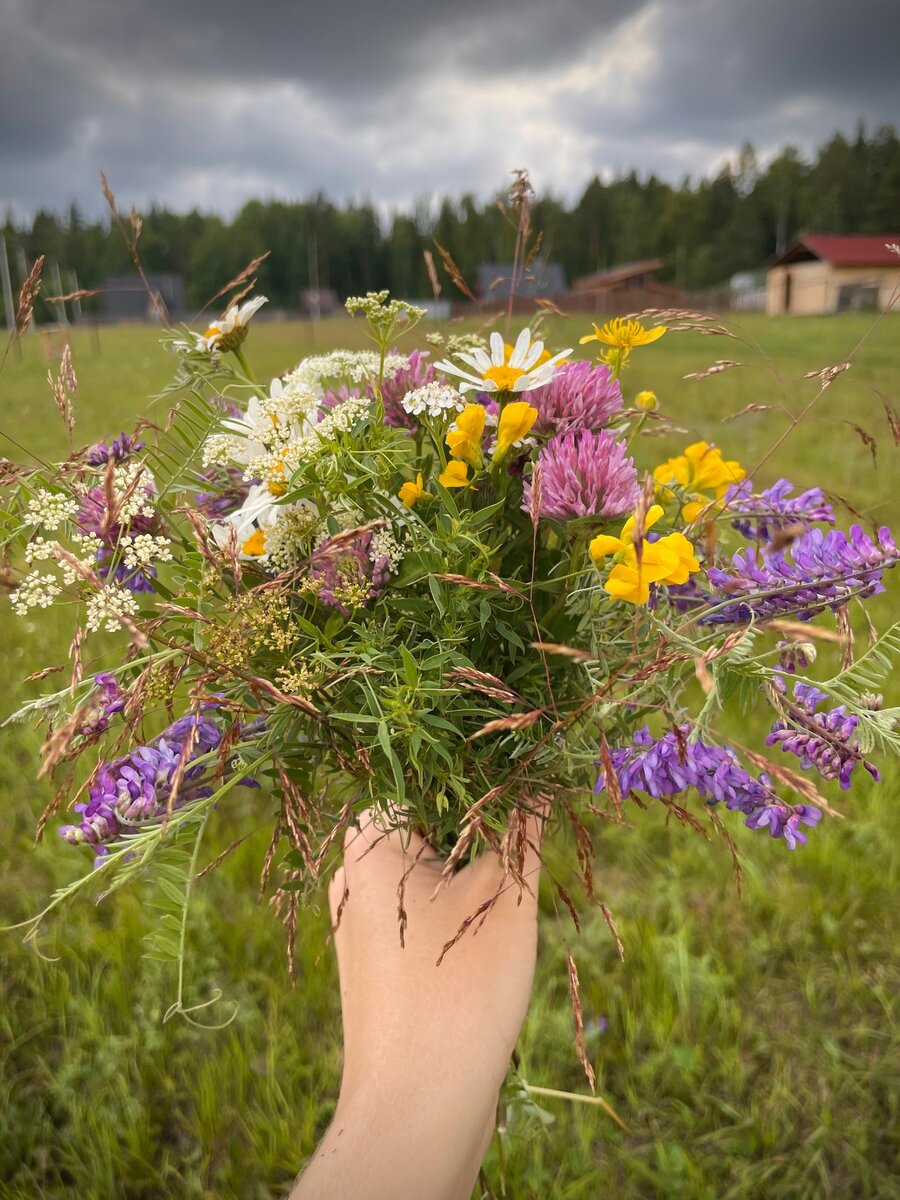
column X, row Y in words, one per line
column 815, row 286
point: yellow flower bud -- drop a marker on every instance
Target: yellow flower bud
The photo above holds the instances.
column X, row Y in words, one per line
column 646, row 401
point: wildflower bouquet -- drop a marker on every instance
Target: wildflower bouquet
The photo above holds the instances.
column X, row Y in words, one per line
column 454, row 590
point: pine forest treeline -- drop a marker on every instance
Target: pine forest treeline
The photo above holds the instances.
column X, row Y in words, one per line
column 703, row 231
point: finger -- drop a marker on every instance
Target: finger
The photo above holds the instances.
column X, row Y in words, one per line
column 336, row 889
column 520, row 866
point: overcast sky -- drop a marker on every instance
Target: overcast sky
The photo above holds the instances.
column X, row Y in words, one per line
column 210, row 102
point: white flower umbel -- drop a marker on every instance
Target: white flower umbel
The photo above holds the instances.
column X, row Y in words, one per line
column 35, row 591
column 49, row 510
column 525, row 367
column 144, row 549
column 433, row 400
column 356, row 367
column 230, row 330
column 269, row 425
column 106, row 608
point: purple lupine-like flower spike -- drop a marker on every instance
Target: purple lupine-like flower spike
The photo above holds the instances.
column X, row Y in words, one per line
column 579, row 396
column 759, row 516
column 134, row 789
column 822, row 739
column 118, row 450
column 821, row 570
column 585, row 474
column 671, row 764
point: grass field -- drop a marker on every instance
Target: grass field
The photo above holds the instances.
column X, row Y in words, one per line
column 749, row 1043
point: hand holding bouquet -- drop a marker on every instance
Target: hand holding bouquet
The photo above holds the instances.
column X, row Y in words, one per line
column 457, row 592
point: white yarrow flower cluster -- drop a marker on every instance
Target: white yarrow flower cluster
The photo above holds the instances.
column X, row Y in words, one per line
column 133, row 487
column 144, row 549
column 386, row 543
column 106, row 608
column 349, row 366
column 49, row 510
column 35, row 591
column 433, row 400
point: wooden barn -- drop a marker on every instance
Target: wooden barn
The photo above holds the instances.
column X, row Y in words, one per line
column 828, row 273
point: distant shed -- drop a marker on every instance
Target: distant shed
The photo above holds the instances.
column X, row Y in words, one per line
column 127, row 297
column 828, row 273
column 539, row 279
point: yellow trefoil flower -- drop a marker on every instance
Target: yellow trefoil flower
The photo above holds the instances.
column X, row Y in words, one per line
column 464, row 439
column 671, row 559
column 647, row 401
column 411, row 492
column 515, row 422
column 699, row 470
column 454, row 475
column 624, row 334
column 605, row 544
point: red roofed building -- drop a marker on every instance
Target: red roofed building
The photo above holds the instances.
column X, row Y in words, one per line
column 825, row 273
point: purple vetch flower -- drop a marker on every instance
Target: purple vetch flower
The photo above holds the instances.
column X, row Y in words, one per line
column 823, row 739
column 585, row 474
column 109, row 700
column 348, row 574
column 823, row 571
column 579, row 396
column 759, row 516
column 134, row 789
column 394, row 387
column 228, row 491
column 671, row 764
column 118, row 450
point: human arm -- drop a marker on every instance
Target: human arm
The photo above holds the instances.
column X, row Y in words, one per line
column 426, row 1047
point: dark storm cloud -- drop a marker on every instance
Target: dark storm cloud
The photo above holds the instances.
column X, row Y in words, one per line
column 197, row 102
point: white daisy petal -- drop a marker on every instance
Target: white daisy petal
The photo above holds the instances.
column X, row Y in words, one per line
column 520, row 350
column 498, row 352
column 537, row 349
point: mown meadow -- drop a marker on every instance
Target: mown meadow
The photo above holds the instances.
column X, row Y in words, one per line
column 748, row 1042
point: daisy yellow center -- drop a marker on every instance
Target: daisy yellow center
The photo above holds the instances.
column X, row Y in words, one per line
column 503, row 377
column 212, row 331
column 255, row 543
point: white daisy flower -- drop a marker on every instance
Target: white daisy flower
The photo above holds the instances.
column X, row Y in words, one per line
column 230, row 330
column 251, row 523
column 524, row 367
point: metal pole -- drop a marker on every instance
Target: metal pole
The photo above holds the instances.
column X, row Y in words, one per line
column 7, row 289
column 76, row 303
column 60, row 305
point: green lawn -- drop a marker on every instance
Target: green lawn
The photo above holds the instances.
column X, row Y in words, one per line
column 747, row 1041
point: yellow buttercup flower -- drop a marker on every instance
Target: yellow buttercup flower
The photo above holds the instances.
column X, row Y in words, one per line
column 515, row 422
column 647, row 401
column 411, row 492
column 464, row 439
column 624, row 334
column 454, row 475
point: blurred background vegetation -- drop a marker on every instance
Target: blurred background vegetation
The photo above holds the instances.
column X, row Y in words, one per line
column 747, row 1041
column 705, row 230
